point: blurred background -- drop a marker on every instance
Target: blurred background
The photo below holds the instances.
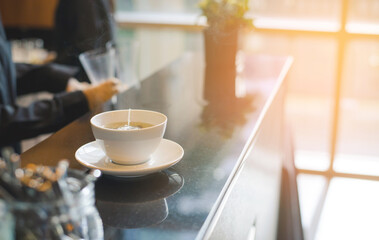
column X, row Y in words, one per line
column 332, row 103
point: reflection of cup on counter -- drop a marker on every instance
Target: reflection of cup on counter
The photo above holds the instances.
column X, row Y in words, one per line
column 135, row 203
column 129, row 145
column 133, row 215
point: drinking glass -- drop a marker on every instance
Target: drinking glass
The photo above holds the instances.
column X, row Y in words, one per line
column 6, row 223
column 99, row 64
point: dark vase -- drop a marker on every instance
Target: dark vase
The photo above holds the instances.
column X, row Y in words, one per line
column 220, row 69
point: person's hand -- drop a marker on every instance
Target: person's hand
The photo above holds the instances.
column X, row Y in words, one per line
column 75, row 85
column 101, row 93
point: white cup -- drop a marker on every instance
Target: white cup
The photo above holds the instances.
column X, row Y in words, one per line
column 133, row 146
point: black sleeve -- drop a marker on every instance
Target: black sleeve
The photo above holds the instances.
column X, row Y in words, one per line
column 40, row 117
column 36, row 78
column 82, row 25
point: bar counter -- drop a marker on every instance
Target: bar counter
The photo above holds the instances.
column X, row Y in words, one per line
column 227, row 185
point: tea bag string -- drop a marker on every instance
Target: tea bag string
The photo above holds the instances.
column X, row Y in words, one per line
column 129, row 127
column 129, row 117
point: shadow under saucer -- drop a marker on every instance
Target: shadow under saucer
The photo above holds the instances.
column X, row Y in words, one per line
column 136, row 202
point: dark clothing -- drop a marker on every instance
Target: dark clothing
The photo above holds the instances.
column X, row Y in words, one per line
column 81, row 25
column 17, row 123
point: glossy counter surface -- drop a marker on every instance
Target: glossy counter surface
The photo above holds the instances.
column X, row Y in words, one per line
column 180, row 202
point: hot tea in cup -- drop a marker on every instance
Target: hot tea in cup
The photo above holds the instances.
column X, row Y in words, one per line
column 129, row 136
column 128, row 126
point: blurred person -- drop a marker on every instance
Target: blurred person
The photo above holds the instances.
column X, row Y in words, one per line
column 80, row 26
column 71, row 100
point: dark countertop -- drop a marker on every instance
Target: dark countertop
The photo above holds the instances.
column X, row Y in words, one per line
column 177, row 203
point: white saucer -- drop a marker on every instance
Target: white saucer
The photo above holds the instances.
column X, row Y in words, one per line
column 92, row 156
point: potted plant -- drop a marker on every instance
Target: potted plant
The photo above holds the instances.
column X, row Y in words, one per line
column 225, row 18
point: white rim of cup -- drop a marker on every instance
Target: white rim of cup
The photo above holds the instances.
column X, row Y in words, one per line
column 130, row 130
